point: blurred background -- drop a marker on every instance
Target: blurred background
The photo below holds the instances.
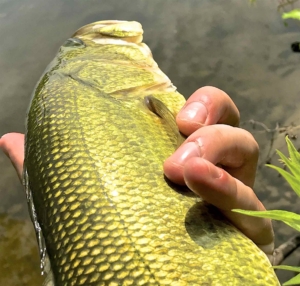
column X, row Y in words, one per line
column 241, row 48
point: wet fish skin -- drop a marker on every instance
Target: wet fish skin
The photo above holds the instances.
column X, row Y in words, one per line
column 93, row 163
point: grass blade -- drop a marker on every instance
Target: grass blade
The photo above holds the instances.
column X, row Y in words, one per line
column 289, row 218
column 294, row 281
column 289, row 268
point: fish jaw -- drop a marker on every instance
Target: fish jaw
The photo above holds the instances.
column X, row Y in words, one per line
column 131, row 32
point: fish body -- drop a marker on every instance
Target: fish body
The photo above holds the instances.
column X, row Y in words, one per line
column 100, row 203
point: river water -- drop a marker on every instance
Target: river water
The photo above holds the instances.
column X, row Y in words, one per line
column 242, row 49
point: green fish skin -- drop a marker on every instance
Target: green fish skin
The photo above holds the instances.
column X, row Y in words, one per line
column 100, row 125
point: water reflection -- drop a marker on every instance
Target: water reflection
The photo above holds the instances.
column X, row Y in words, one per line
column 241, row 49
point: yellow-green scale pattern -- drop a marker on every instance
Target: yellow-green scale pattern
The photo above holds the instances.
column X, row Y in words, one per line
column 94, row 155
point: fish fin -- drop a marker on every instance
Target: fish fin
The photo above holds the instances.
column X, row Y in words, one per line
column 49, row 281
column 33, row 216
column 159, row 108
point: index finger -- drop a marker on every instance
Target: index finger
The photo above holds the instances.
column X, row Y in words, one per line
column 207, row 106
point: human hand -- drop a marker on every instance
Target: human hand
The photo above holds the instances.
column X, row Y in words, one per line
column 218, row 162
column 12, row 144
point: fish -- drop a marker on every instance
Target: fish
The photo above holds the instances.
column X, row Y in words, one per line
column 100, row 124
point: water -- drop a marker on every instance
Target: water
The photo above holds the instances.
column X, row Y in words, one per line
column 241, row 49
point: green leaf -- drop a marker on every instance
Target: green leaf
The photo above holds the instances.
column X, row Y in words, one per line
column 293, row 14
column 294, row 154
column 289, row 218
column 286, row 267
column 293, row 178
column 293, row 181
column 291, row 163
column 294, row 281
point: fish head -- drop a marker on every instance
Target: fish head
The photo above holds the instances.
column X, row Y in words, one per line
column 110, row 56
column 112, row 41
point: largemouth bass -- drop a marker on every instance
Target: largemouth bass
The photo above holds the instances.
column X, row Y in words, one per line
column 100, row 125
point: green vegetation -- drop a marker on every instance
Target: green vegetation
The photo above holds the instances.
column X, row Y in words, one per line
column 288, row 11
column 286, row 7
column 293, row 14
column 292, row 219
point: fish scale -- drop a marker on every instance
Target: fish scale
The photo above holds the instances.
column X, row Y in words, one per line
column 93, row 158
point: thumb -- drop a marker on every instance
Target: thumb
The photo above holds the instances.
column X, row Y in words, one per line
column 12, row 144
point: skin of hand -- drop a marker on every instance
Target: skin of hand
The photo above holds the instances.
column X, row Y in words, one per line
column 217, row 161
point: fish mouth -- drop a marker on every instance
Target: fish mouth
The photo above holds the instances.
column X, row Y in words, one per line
column 129, row 31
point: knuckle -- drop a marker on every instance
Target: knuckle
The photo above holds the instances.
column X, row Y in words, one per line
column 251, row 142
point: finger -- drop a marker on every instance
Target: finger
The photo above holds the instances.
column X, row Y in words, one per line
column 12, row 144
column 217, row 187
column 232, row 148
column 207, row 106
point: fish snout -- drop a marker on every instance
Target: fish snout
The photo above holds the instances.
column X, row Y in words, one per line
column 129, row 31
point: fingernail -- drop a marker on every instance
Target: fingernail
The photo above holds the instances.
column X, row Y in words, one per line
column 195, row 111
column 185, row 152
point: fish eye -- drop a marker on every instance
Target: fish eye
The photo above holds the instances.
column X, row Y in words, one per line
column 74, row 42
